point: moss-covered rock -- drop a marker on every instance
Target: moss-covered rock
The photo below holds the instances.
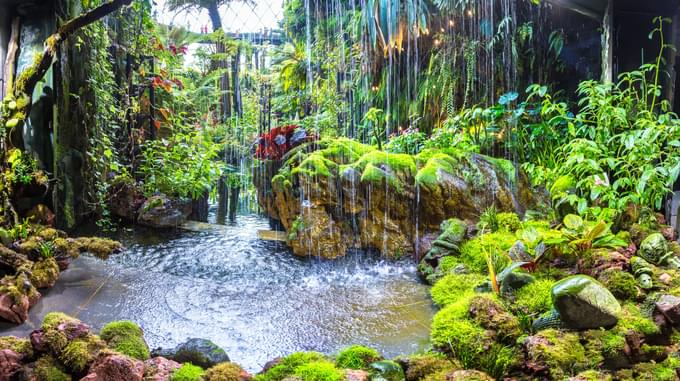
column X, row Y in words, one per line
column 78, row 354
column 45, row 273
column 490, row 314
column 454, row 286
column 226, row 371
column 534, row 298
column 286, row 367
column 188, row 372
column 48, row 369
column 99, row 247
column 468, row 375
column 386, row 371
column 18, row 345
column 427, row 366
column 321, row 370
column 127, row 338
column 357, row 357
column 621, row 284
column 557, row 354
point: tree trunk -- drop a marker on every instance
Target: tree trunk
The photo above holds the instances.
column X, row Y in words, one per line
column 220, row 64
column 235, row 67
column 233, row 202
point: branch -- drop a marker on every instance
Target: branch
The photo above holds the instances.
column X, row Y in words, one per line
column 30, row 77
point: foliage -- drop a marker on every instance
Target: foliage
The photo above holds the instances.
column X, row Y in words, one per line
column 582, row 236
column 410, row 141
column 181, row 165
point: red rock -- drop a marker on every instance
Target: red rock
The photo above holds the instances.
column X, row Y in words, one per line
column 669, row 306
column 10, row 364
column 14, row 311
column 159, row 369
column 115, row 367
column 356, row 375
column 38, row 340
column 74, row 329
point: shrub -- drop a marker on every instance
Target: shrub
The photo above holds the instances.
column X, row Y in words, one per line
column 357, row 357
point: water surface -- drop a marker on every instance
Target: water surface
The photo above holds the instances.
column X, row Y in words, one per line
column 253, row 298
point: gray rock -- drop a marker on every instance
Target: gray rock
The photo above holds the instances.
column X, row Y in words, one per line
column 162, row 212
column 669, row 306
column 200, row 352
column 584, row 303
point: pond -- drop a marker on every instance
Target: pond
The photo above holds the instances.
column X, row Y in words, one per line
column 251, row 297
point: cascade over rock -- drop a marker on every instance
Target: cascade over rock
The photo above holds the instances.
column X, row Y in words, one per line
column 332, row 196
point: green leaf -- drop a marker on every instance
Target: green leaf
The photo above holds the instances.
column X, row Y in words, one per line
column 573, row 222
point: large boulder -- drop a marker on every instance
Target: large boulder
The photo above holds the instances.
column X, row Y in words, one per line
column 584, row 303
column 162, row 212
column 200, row 352
column 125, row 198
column 335, row 195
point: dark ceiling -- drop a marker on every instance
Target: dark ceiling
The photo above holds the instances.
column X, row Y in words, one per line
column 596, row 8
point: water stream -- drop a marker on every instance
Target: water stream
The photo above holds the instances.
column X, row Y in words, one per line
column 253, row 298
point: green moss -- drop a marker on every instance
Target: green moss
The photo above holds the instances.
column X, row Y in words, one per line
column 126, row 337
column 345, row 151
column 561, row 352
column 508, row 221
column 18, row 345
column 48, row 369
column 632, row 319
column 488, row 311
column 99, row 247
column 428, row 366
column 453, row 287
column 226, row 371
column 592, row 375
column 315, row 165
column 288, row 365
column 322, row 370
column 429, row 175
column 373, row 174
column 188, row 372
column 663, row 371
column 454, row 332
column 79, row 353
column 398, row 162
column 534, row 298
column 45, row 273
column 473, row 253
column 53, row 319
column 622, row 285
column 357, row 357
column 447, row 264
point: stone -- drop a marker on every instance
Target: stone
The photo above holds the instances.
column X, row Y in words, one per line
column 125, row 199
column 10, row 364
column 38, row 341
column 162, row 212
column 386, row 371
column 656, row 250
column 42, row 215
column 200, row 352
column 584, row 303
column 115, row 367
column 468, row 375
column 14, row 308
column 665, row 278
column 356, row 375
column 669, row 306
column 159, row 369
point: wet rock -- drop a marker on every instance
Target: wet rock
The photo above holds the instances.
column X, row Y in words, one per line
column 584, row 303
column 227, row 371
column 14, row 308
column 45, row 273
column 42, row 215
column 162, row 212
column 270, row 364
column 669, row 306
column 386, row 371
column 447, row 243
column 115, row 367
column 74, row 330
column 468, row 375
column 10, row 364
column 492, row 316
column 356, row 375
column 200, row 352
column 656, row 250
column 38, row 340
column 125, row 199
column 159, row 369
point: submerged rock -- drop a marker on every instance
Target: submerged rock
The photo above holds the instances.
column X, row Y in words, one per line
column 200, row 352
